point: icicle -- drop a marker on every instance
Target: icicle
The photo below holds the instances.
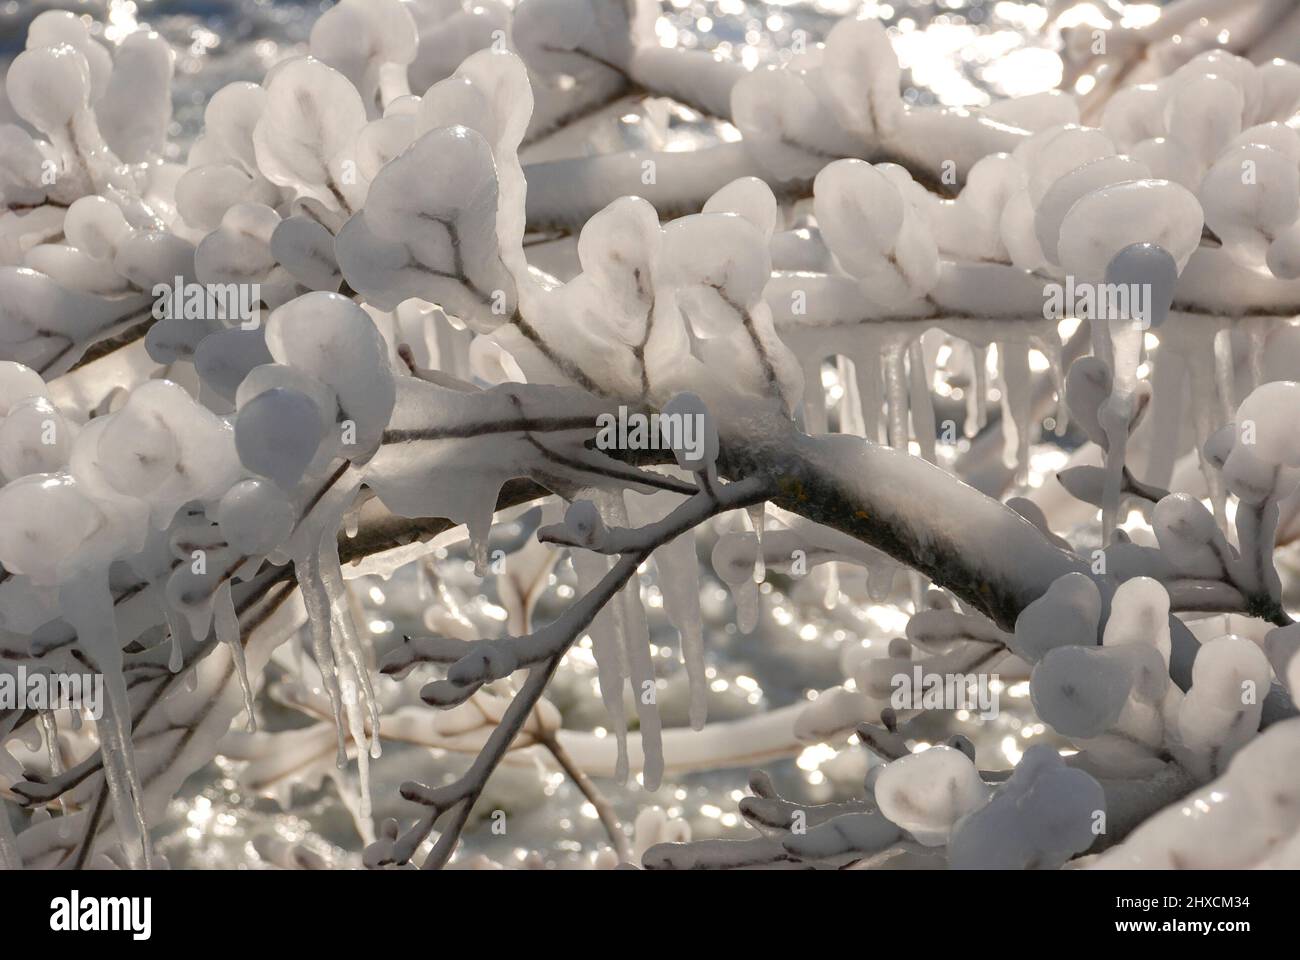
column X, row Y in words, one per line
column 745, row 596
column 88, row 608
column 50, row 728
column 814, row 396
column 920, row 399
column 610, row 669
column 1017, row 407
column 226, row 623
column 866, row 374
column 1050, row 347
column 896, row 394
column 850, row 401
column 357, row 729
column 1116, row 415
column 349, row 641
column 9, row 856
column 352, row 521
column 1225, row 374
column 679, row 581
column 177, row 628
column 630, row 615
column 757, row 514
column 316, row 600
column 979, row 388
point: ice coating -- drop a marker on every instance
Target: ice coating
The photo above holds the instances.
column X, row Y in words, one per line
column 928, row 793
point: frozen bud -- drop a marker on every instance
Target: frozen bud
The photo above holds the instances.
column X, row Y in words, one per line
column 1087, row 387
column 1106, row 221
column 1224, row 665
column 1221, row 712
column 1279, row 93
column 1149, row 266
column 277, row 434
column 927, row 793
column 1273, row 410
column 1066, row 191
column 1204, row 114
column 334, row 340
column 223, row 359
column 1139, row 614
column 862, row 76
column 1134, row 114
column 255, row 517
column 1250, row 194
column 137, row 450
column 734, row 556
column 1283, row 256
column 312, row 115
column 695, row 436
column 859, row 211
column 1081, row 691
column 306, row 250
column 165, row 444
column 18, row 382
column 1051, row 154
column 205, row 193
column 1186, row 532
column 584, row 523
column 1250, row 479
column 618, row 248
column 49, row 86
column 357, row 36
column 748, row 197
column 229, row 121
column 1038, row 819
column 1169, row 160
column 56, row 27
column 1068, row 613
column 1219, row 445
column 97, row 226
column 1274, row 135
column 47, row 519
column 34, row 438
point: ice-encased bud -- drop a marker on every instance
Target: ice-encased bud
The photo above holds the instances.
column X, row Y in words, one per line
column 734, row 556
column 96, row 226
column 277, row 434
column 1106, row 221
column 255, row 517
column 927, row 793
column 1081, row 691
column 1186, row 532
column 696, row 448
column 331, row 338
column 47, row 519
column 1038, row 819
column 1067, row 614
column 584, row 523
column 1149, row 265
column 223, row 359
column 34, row 438
column 18, row 382
column 49, row 86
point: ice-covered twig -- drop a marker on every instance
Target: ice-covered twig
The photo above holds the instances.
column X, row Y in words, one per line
column 540, row 652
